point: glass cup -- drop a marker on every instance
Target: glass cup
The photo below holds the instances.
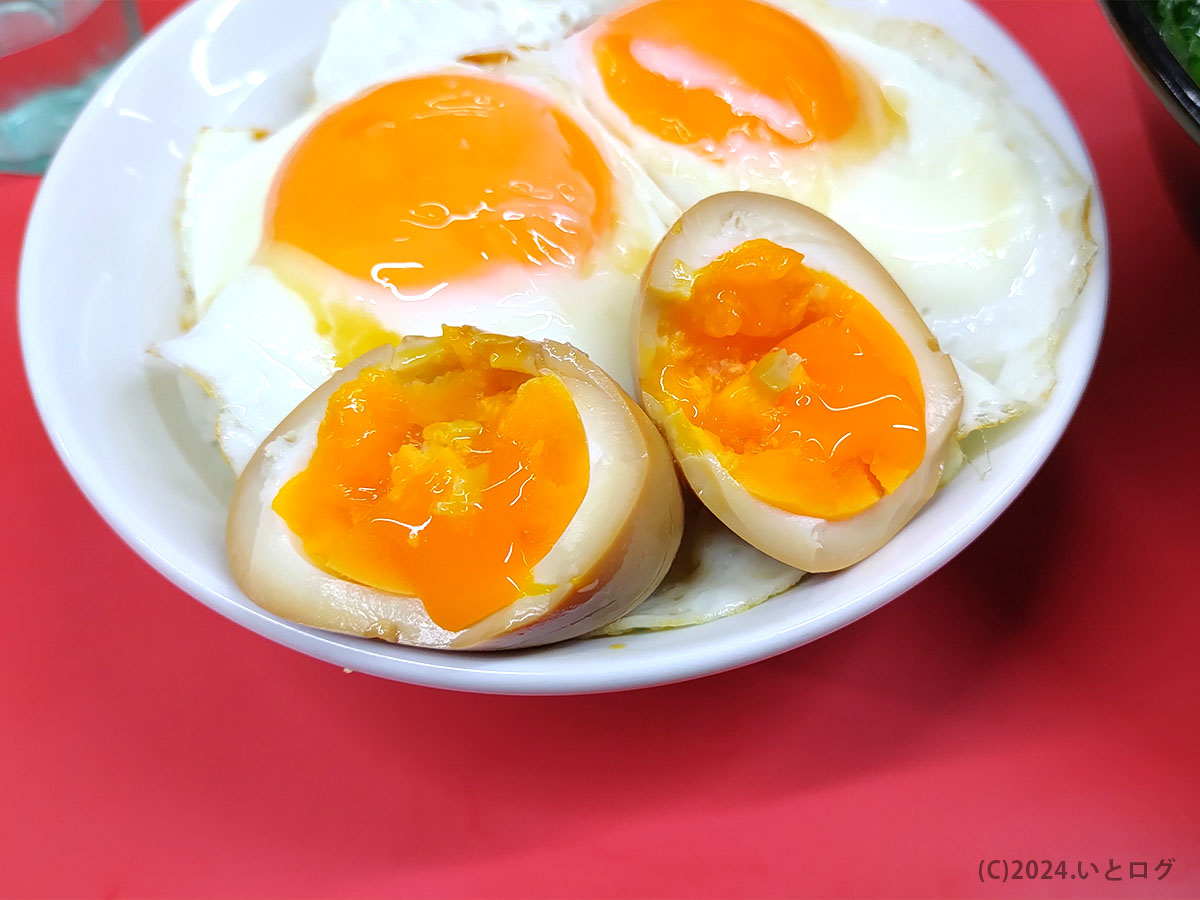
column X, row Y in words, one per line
column 53, row 56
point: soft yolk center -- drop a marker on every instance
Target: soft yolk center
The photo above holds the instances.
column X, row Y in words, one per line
column 449, row 488
column 437, row 178
column 716, row 72
column 801, row 387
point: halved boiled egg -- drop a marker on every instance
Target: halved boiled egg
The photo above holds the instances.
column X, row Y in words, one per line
column 466, row 491
column 804, row 398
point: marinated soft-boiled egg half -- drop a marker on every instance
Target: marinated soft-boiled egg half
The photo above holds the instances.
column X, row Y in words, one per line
column 804, row 399
column 469, row 491
column 459, row 197
column 891, row 129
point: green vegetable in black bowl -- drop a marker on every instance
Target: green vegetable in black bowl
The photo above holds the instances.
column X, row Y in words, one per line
column 1178, row 21
column 1163, row 38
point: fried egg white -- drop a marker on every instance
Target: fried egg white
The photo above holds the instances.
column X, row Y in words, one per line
column 715, row 574
column 373, row 41
column 886, row 126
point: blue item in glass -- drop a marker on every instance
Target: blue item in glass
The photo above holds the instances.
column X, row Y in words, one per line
column 53, row 56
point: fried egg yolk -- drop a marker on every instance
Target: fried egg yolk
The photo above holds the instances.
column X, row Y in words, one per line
column 450, row 487
column 716, row 73
column 436, row 179
column 795, row 382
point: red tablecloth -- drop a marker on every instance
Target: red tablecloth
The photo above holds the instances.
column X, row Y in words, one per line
column 1037, row 699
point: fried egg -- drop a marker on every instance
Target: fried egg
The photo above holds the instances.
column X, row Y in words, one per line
column 457, row 197
column 886, row 126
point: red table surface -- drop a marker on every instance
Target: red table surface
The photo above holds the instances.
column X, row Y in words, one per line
column 1036, row 699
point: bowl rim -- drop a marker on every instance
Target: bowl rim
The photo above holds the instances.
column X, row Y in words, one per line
column 441, row 671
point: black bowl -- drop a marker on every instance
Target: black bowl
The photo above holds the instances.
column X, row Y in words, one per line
column 1162, row 71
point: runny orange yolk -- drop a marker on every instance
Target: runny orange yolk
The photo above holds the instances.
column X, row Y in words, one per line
column 431, row 179
column 709, row 72
column 801, row 387
column 449, row 488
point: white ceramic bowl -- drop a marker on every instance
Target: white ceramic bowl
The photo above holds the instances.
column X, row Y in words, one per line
column 101, row 245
